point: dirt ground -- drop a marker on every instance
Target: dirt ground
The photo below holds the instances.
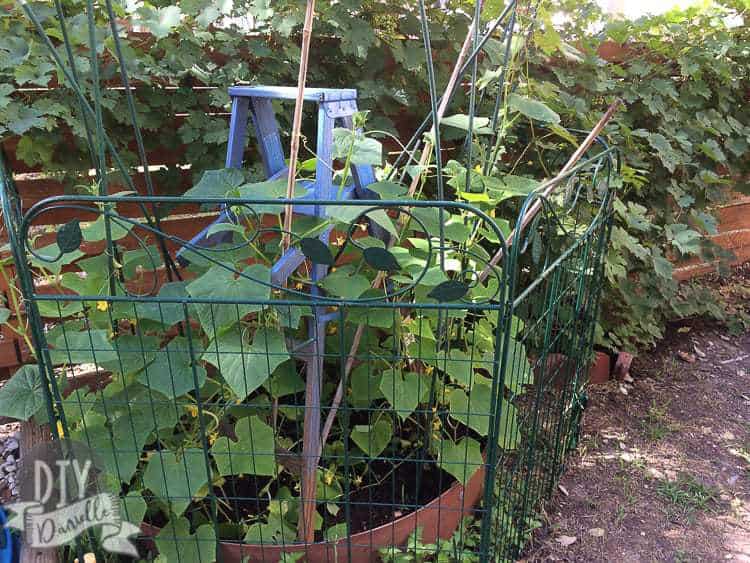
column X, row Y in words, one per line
column 663, row 470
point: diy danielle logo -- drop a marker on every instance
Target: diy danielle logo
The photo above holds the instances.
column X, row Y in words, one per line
column 60, row 499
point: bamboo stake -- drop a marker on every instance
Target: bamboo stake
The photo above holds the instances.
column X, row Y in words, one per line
column 297, row 123
column 546, row 188
column 311, row 436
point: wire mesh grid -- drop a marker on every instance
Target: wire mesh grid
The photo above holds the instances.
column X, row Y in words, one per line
column 446, row 405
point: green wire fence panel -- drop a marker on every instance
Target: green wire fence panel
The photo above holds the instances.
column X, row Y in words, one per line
column 399, row 397
column 445, row 405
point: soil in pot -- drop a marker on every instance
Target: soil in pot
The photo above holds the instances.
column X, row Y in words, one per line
column 384, row 510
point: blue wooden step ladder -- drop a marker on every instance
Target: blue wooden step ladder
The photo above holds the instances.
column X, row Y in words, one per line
column 335, row 107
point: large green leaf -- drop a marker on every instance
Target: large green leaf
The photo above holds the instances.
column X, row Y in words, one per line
column 252, row 454
column 454, row 227
column 389, row 190
column 284, row 381
column 49, row 258
column 120, row 424
column 164, row 313
column 364, row 150
column 133, row 507
column 508, row 432
column 474, row 410
column 176, row 477
column 509, row 185
column 480, row 125
column 86, row 347
column 217, row 183
column 457, row 364
column 134, row 352
column 220, row 283
column 22, row 396
column 685, row 239
column 141, row 259
column 372, row 439
column 118, row 445
column 461, row 459
column 662, row 266
column 245, row 366
column 175, row 369
column 519, row 372
column 533, row 109
column 270, row 189
column 98, row 229
column 159, row 21
column 92, row 281
column 344, row 283
column 276, row 530
column 348, row 213
column 124, row 397
column 402, row 391
column 365, row 386
column 373, row 317
column 175, row 540
column 668, row 156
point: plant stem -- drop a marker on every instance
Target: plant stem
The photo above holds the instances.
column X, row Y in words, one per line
column 297, row 123
column 549, row 186
column 427, row 151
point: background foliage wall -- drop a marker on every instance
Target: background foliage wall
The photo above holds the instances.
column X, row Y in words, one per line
column 684, row 134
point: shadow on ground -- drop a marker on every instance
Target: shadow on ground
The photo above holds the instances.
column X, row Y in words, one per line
column 663, row 470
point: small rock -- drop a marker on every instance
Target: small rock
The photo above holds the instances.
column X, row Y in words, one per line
column 565, row 541
column 686, row 357
column 622, row 366
column 597, row 532
column 10, row 458
column 655, row 473
column 623, row 390
column 627, row 378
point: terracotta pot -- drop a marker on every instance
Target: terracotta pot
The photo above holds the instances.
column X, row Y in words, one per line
column 437, row 519
column 600, row 368
column 562, row 369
